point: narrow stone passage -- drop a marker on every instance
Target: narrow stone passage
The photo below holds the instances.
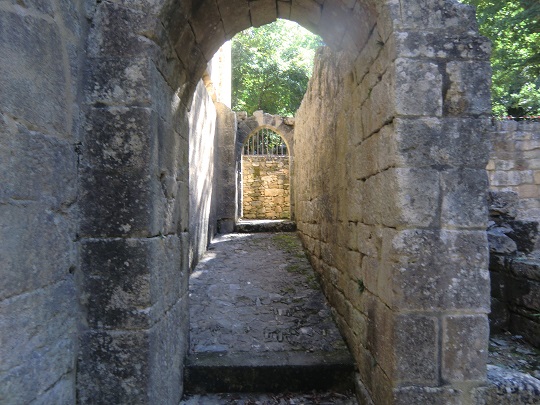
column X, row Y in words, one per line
column 260, row 323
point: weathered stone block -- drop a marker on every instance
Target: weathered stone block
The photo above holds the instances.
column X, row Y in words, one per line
column 432, row 141
column 235, row 16
column 262, row 12
column 36, row 167
column 439, row 270
column 411, row 44
column 359, row 28
column 32, row 48
column 366, row 365
column 358, row 324
column 367, row 56
column 120, row 32
column 29, row 262
column 208, row 28
column 116, row 283
column 381, row 387
column 524, row 293
column 168, row 343
column 525, row 234
column 307, row 13
column 402, row 196
column 525, row 326
column 425, row 15
column 527, row 268
column 417, row 349
column 61, row 393
column 464, row 198
column 169, row 272
column 464, row 347
column 38, row 343
column 118, row 81
column 193, row 61
column 381, row 334
column 130, row 283
column 367, row 242
column 332, row 23
column 499, row 243
column 468, row 91
column 375, row 154
column 284, row 9
column 119, row 138
column 418, row 88
column 379, row 108
column 113, row 367
column 502, row 204
column 117, row 204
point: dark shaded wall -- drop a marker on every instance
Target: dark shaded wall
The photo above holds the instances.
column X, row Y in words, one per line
column 42, row 50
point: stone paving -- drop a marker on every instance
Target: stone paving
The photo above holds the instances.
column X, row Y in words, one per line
column 258, row 293
column 256, row 296
column 327, row 398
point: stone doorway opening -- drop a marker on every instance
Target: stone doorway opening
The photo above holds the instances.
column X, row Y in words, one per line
column 388, row 208
column 265, row 176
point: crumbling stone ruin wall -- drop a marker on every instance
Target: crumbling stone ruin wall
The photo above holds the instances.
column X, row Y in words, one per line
column 392, row 207
column 265, row 182
column 514, row 266
column 42, row 46
column 514, row 164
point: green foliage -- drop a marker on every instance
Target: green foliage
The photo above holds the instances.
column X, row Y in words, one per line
column 361, row 286
column 514, row 29
column 271, row 67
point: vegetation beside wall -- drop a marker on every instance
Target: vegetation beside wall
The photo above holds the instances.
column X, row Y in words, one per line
column 513, row 26
column 271, row 67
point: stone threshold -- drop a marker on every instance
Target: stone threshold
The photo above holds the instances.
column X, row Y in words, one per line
column 264, row 225
column 269, row 372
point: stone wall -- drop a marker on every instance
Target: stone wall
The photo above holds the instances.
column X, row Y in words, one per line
column 134, row 208
column 42, row 48
column 202, row 166
column 391, row 203
column 284, row 126
column 387, row 196
column 265, row 187
column 514, row 164
column 515, row 269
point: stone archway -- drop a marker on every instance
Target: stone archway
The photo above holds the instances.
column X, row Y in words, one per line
column 265, row 171
column 401, row 103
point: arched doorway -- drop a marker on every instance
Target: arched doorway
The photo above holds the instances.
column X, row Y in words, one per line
column 399, row 210
column 265, row 176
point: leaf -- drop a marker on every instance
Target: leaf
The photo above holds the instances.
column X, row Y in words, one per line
column 272, row 65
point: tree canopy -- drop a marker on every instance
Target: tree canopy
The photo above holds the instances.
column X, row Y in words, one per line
column 513, row 26
column 271, row 66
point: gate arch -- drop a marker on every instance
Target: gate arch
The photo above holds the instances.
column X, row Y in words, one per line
column 265, row 175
